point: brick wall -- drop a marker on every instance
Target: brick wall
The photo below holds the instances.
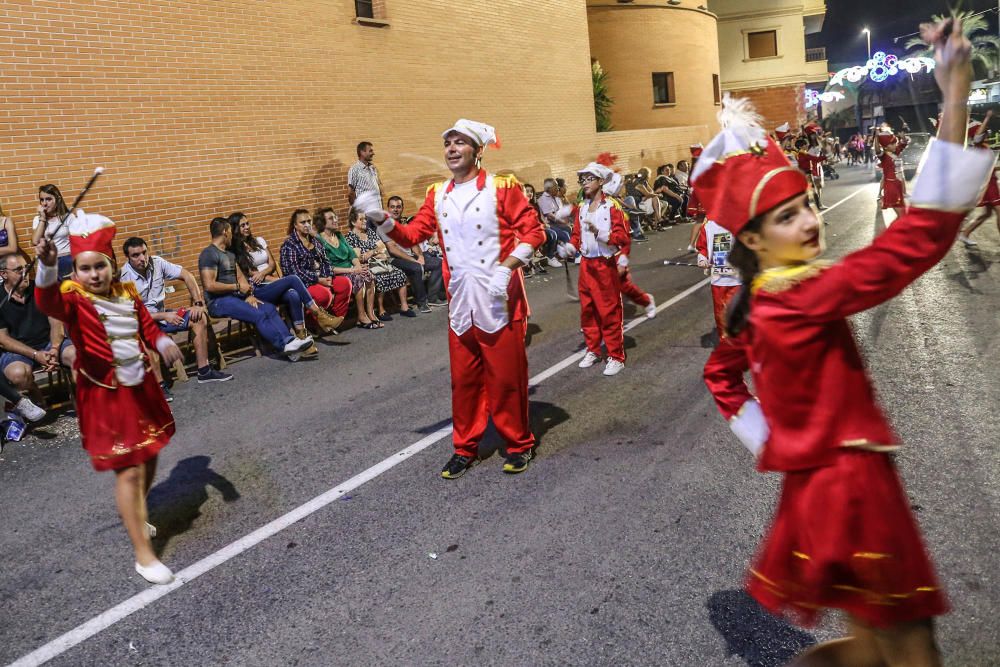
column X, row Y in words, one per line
column 778, row 104
column 200, row 108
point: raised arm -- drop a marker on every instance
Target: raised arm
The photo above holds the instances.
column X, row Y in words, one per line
column 421, row 226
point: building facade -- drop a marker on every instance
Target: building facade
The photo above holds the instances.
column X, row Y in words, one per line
column 662, row 61
column 198, row 108
column 763, row 55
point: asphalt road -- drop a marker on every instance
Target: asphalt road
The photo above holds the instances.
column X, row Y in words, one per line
column 625, row 542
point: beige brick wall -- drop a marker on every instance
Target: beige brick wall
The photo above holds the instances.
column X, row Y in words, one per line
column 633, row 41
column 200, row 108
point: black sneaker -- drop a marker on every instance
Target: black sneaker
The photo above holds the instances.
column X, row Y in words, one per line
column 214, row 376
column 424, row 308
column 407, row 313
column 168, row 395
column 457, row 466
column 437, row 303
column 516, row 463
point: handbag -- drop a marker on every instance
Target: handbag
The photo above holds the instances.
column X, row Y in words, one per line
column 379, row 266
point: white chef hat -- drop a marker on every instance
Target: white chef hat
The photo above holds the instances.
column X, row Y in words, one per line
column 481, row 133
column 598, row 170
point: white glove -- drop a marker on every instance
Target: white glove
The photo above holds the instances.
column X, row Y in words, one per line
column 376, row 216
column 703, row 261
column 751, row 427
column 498, row 283
column 566, row 251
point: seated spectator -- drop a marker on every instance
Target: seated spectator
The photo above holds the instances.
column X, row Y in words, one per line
column 425, row 272
column 51, row 209
column 670, row 192
column 8, row 236
column 373, row 256
column 230, row 294
column 257, row 263
column 31, row 340
column 647, row 200
column 301, row 256
column 681, row 175
column 344, row 260
column 151, row 273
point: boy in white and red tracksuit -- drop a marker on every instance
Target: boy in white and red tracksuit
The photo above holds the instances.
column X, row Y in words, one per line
column 487, row 230
column 713, row 244
column 600, row 230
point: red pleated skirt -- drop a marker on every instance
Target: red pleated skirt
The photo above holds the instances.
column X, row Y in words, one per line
column 992, row 195
column 844, row 538
column 125, row 426
column 721, row 296
column 892, row 194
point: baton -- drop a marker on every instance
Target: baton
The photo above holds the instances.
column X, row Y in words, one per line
column 76, row 202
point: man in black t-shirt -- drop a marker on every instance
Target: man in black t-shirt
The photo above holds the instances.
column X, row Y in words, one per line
column 30, row 340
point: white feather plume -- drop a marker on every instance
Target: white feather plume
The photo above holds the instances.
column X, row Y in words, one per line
column 737, row 112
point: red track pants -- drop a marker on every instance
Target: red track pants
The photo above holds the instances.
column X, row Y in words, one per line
column 601, row 306
column 633, row 291
column 489, row 378
column 721, row 296
column 336, row 300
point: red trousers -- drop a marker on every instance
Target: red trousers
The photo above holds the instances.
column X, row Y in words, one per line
column 489, row 378
column 601, row 306
column 335, row 300
column 633, row 291
column 721, row 296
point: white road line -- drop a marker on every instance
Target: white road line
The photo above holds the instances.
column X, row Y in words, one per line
column 82, row 632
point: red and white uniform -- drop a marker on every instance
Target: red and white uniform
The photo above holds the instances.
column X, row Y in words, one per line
column 124, row 419
column 843, row 535
column 601, row 315
column 892, row 184
column 628, row 287
column 809, row 163
column 479, row 224
column 977, row 138
column 713, row 245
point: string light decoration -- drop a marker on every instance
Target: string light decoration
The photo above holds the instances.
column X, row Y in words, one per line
column 814, row 97
column 880, row 67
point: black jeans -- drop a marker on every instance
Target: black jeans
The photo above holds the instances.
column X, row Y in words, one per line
column 415, row 272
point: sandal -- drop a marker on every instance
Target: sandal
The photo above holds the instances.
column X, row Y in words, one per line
column 367, row 325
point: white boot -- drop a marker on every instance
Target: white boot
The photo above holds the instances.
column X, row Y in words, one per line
column 651, row 308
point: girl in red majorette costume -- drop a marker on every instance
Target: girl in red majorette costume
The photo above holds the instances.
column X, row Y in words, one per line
column 991, row 199
column 843, row 535
column 124, row 418
column 893, row 189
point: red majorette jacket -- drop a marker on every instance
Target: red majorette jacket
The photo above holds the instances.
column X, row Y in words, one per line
column 111, row 332
column 497, row 223
column 612, row 229
column 808, row 374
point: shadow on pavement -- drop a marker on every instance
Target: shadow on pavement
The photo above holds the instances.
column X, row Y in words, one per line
column 751, row 633
column 176, row 502
column 542, row 417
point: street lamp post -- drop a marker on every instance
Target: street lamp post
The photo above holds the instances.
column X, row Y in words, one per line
column 868, row 35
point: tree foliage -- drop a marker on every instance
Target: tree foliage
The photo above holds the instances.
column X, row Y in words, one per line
column 602, row 101
column 985, row 46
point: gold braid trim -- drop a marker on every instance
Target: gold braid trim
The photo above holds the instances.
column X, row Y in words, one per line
column 119, row 291
column 506, row 181
column 787, row 277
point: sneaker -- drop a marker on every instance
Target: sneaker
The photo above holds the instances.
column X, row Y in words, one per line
column 966, row 240
column 407, row 313
column 589, row 360
column 29, row 410
column 691, row 248
column 297, row 344
column 613, row 367
column 651, row 308
column 155, row 573
column 516, row 463
column 456, row 466
column 437, row 303
column 214, row 376
column 424, row 308
column 168, row 395
column 554, row 263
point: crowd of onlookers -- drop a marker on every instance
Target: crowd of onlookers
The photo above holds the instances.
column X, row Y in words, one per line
column 288, row 290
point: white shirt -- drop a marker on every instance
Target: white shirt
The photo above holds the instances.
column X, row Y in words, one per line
column 259, row 257
column 596, row 246
column 61, row 239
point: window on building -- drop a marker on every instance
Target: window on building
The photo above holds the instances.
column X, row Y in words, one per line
column 365, row 9
column 716, row 90
column 663, row 88
column 762, row 44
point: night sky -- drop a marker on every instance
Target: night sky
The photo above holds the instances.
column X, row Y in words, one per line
column 845, row 45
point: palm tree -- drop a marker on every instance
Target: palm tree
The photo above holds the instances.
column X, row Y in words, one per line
column 602, row 101
column 985, row 47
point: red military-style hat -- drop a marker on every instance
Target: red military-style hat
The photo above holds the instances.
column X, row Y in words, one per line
column 782, row 131
column 696, row 150
column 813, row 128
column 91, row 232
column 885, row 137
column 743, row 172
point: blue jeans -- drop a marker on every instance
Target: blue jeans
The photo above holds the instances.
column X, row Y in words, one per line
column 265, row 317
column 289, row 290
